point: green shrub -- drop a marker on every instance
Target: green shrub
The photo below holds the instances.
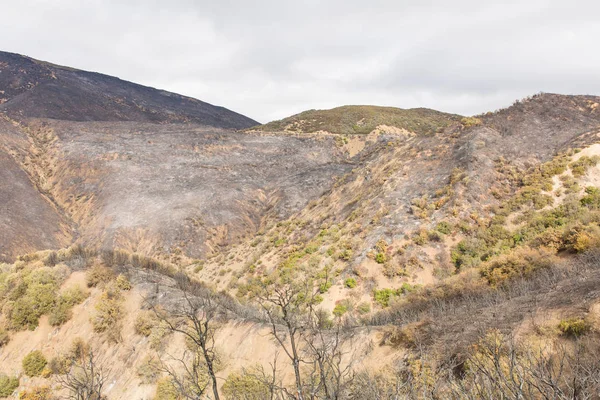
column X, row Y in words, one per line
column 23, row 314
column 8, row 384
column 591, row 199
column 34, row 363
column 340, row 309
column 444, row 228
column 62, row 311
column 350, row 283
column 383, row 296
column 573, row 327
column 61, row 314
column 380, row 258
column 408, row 288
column 33, row 296
column 244, row 386
column 109, row 313
column 580, row 167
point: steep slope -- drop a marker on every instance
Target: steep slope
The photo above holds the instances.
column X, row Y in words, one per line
column 405, row 185
column 34, row 89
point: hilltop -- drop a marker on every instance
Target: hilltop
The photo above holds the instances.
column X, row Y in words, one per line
column 362, row 120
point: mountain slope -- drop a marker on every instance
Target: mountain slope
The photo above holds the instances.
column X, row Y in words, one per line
column 34, row 89
column 412, row 244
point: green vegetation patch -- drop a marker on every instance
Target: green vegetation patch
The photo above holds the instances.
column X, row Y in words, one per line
column 363, row 120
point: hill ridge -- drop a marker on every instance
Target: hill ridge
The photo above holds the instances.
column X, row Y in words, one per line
column 39, row 89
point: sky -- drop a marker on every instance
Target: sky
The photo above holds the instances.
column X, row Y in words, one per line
column 270, row 59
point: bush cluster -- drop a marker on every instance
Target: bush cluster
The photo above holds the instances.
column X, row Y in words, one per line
column 8, row 384
column 34, row 363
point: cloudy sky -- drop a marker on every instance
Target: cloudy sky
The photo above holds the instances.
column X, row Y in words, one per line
column 272, row 58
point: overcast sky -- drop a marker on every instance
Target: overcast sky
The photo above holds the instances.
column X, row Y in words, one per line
column 269, row 59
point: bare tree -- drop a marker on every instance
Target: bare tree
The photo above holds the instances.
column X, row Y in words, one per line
column 307, row 336
column 196, row 318
column 324, row 347
column 85, row 378
column 285, row 302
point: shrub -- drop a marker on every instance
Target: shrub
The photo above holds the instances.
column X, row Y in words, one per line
column 345, row 254
column 59, row 365
column 98, row 274
column 4, row 337
column 421, row 237
column 580, row 238
column 159, row 332
column 244, row 386
column 123, row 283
column 109, row 313
column 363, row 308
column 8, row 384
column 580, row 167
column 516, row 264
column 409, row 335
column 61, row 314
column 34, row 363
column 166, row 390
column 325, row 286
column 469, row 122
column 62, row 311
column 444, row 228
column 149, row 370
column 144, row 323
column 408, row 288
column 591, row 198
column 33, row 296
column 340, row 309
column 23, row 314
column 383, row 296
column 37, row 393
column 51, row 259
column 380, row 258
column 573, row 327
column 350, row 283
column 115, row 257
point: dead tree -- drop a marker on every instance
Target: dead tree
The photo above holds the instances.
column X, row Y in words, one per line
column 85, row 378
column 196, row 318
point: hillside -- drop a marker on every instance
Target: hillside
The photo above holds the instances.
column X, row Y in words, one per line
column 37, row 89
column 356, row 253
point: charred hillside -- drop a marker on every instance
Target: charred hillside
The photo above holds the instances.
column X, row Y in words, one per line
column 35, row 89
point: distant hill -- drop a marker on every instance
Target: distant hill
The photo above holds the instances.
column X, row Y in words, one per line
column 362, row 120
column 31, row 88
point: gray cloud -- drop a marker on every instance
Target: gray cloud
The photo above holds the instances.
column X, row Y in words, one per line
column 269, row 59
